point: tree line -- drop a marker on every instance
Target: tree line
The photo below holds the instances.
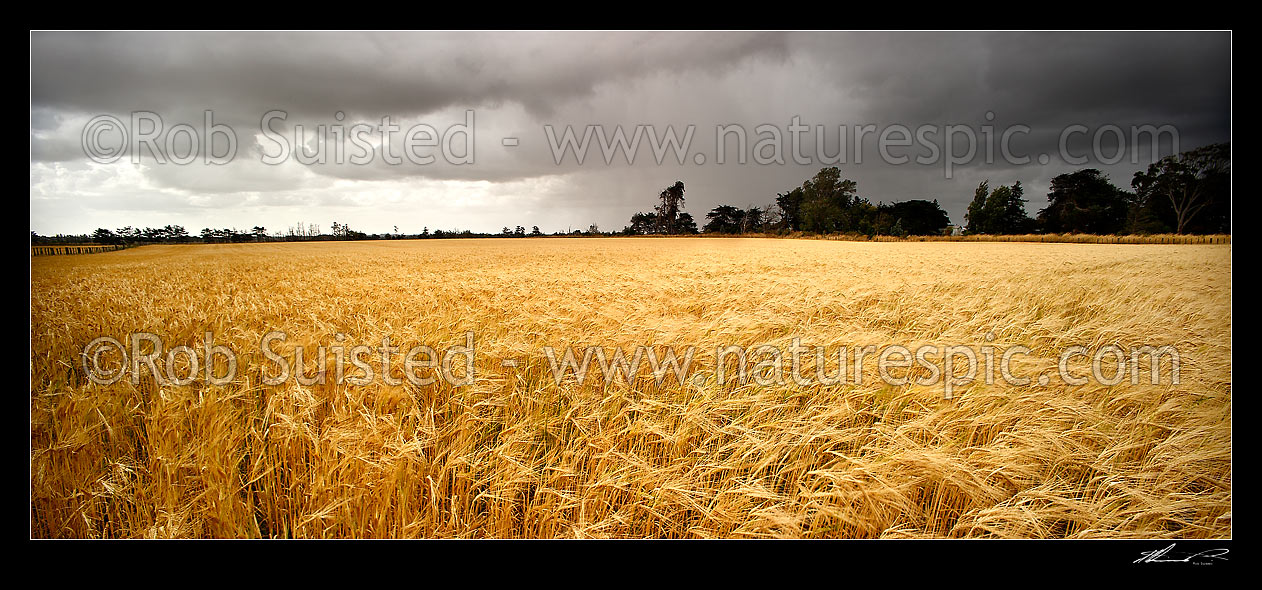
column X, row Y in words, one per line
column 1188, row 193
column 301, row 232
column 1185, row 193
column 825, row 204
column 176, row 234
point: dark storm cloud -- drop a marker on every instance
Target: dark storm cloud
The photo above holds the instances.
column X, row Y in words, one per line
column 319, row 73
column 1063, row 76
column 1046, row 81
column 519, row 82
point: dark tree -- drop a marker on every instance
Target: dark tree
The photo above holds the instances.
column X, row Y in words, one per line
column 724, row 219
column 826, row 202
column 104, row 236
column 1190, row 192
column 686, row 224
column 672, row 202
column 1084, row 202
column 915, row 218
column 645, row 223
column 862, row 217
column 176, row 233
column 752, row 220
column 974, row 219
column 790, row 205
column 1002, row 211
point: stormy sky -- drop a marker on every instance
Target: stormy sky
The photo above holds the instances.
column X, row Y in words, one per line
column 378, row 130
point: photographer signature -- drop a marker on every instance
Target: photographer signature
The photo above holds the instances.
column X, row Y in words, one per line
column 1165, row 556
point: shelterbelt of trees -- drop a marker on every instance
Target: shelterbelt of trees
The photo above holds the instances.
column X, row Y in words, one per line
column 1181, row 194
column 1187, row 193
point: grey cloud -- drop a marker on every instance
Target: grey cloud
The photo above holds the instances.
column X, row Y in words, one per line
column 319, row 73
column 520, row 81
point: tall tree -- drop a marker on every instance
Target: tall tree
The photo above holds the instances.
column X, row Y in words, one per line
column 975, row 219
column 1191, row 190
column 916, row 217
column 1014, row 219
column 1084, row 202
column 685, row 224
column 672, row 202
column 826, row 202
column 752, row 220
column 1002, row 211
column 644, row 223
column 104, row 236
column 724, row 219
column 790, row 205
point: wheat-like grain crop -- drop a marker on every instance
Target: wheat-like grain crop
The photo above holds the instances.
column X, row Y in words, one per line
column 520, row 454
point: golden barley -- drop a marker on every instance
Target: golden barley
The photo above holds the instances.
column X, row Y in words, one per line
column 519, row 455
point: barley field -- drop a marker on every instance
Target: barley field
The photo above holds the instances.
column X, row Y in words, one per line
column 520, row 454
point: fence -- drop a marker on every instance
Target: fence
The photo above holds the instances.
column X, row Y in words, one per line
column 59, row 250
